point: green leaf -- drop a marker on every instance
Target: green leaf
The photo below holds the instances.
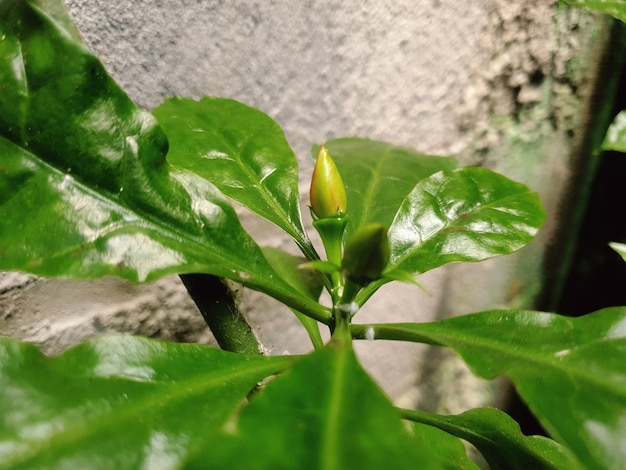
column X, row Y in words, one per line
column 499, row 439
column 242, row 151
column 570, row 371
column 85, row 190
column 324, row 413
column 468, row 214
column 619, row 248
column 307, row 281
column 615, row 8
column 378, row 176
column 615, row 138
column 120, row 402
column 444, row 446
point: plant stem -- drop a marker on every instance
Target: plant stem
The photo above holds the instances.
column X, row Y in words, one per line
column 391, row 332
column 218, row 307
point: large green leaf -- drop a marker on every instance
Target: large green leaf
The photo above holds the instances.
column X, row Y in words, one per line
column 467, row 214
column 499, row 439
column 615, row 8
column 378, row 176
column 324, row 413
column 121, row 402
column 85, row 190
column 570, row 371
column 242, row 151
column 615, row 138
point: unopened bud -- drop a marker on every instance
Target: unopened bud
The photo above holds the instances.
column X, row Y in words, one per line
column 328, row 194
column 366, row 254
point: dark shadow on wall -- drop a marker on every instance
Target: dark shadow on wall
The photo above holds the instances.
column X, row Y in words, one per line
column 595, row 275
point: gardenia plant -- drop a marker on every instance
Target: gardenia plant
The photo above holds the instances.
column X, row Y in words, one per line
column 92, row 186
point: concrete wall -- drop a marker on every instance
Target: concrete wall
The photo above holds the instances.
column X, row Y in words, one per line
column 492, row 81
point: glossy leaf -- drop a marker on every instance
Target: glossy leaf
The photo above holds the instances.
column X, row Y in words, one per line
column 85, row 190
column 615, row 8
column 242, row 151
column 615, row 138
column 468, row 214
column 56, row 9
column 378, row 176
column 499, row 439
column 570, row 371
column 120, row 402
column 324, row 413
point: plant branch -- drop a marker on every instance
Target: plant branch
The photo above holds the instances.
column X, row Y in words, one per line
column 218, row 307
column 390, row 332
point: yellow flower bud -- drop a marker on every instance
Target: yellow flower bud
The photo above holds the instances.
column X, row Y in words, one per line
column 328, row 194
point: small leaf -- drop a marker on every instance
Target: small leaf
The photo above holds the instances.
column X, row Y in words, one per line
column 499, row 439
column 619, row 248
column 325, row 413
column 570, row 371
column 242, row 151
column 378, row 176
column 615, row 138
column 468, row 214
column 119, row 402
column 615, row 8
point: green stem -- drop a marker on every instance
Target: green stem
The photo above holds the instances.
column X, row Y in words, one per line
column 217, row 305
column 341, row 327
column 392, row 332
column 331, row 232
column 312, row 328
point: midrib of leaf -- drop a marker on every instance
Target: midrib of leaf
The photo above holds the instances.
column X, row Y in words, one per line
column 175, row 391
column 369, row 192
column 457, row 430
column 450, row 223
column 525, row 444
column 274, row 286
column 26, row 90
column 450, row 426
column 439, row 339
column 267, row 195
column 331, row 438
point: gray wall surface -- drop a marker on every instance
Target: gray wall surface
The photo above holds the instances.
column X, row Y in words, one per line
column 472, row 78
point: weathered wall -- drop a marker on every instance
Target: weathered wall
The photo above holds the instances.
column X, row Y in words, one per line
column 489, row 80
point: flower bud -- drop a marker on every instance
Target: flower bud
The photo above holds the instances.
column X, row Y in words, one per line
column 328, row 194
column 366, row 254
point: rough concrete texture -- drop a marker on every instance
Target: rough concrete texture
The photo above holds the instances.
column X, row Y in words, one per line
column 522, row 114
column 430, row 76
